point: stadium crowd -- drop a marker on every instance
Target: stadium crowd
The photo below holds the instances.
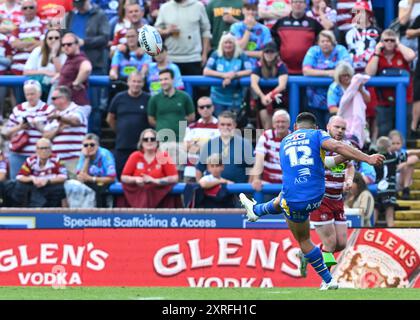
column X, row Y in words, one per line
column 51, row 151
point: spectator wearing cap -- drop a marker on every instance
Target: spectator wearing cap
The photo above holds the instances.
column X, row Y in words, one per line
column 294, row 35
column 91, row 27
column 320, row 61
column 222, row 14
column 362, row 36
column 269, row 99
column 390, row 57
column 228, row 63
column 346, row 10
column 27, row 119
column 40, row 182
column 66, row 127
column 251, row 35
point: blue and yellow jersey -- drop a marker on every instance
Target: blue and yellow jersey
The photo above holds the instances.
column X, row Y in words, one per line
column 302, row 161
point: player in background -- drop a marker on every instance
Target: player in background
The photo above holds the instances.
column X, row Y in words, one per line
column 302, row 155
column 329, row 219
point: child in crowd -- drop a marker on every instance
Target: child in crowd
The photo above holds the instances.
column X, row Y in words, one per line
column 408, row 159
column 215, row 194
column 386, row 178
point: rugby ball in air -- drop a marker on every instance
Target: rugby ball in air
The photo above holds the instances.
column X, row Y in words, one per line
column 150, row 40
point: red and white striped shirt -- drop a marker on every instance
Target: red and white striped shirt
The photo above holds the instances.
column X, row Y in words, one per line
column 5, row 50
column 67, row 144
column 199, row 132
column 36, row 116
column 53, row 168
column 13, row 15
column 335, row 177
column 26, row 31
column 269, row 145
column 345, row 13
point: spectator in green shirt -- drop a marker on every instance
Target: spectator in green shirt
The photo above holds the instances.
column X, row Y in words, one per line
column 170, row 111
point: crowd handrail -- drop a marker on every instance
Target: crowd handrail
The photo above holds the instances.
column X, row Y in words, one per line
column 294, row 84
column 116, row 189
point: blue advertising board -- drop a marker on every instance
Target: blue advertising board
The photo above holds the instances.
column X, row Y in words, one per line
column 57, row 220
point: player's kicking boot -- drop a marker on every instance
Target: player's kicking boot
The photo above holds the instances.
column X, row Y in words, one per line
column 303, row 264
column 249, row 207
column 332, row 285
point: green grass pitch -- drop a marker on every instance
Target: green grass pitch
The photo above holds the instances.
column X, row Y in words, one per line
column 137, row 293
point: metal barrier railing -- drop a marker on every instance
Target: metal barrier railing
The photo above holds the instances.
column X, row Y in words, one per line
column 294, row 84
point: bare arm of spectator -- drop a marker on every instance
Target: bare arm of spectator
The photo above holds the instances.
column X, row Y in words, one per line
column 111, row 120
column 372, row 66
column 152, row 121
column 206, row 49
column 113, row 73
column 213, row 73
column 190, row 117
column 24, row 179
column 265, row 13
column 255, row 176
column 83, row 74
column 161, row 181
column 8, row 132
column 206, row 184
column 404, row 14
column 309, row 71
column 365, row 94
column 408, row 53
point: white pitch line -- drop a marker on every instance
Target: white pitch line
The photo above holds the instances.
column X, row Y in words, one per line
column 148, row 298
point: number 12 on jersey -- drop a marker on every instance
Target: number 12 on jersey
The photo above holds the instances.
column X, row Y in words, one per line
column 299, row 156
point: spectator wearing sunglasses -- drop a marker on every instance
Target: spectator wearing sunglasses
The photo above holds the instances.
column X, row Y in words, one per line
column 66, row 128
column 198, row 133
column 96, row 168
column 75, row 72
column 149, row 175
column 390, row 58
column 91, row 27
column 44, row 63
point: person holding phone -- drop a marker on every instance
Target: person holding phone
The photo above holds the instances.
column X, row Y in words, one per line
column 390, row 58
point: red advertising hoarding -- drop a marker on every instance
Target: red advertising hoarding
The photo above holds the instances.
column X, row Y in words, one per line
column 193, row 258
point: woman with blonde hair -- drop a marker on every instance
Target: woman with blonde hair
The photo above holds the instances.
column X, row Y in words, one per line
column 229, row 63
column 321, row 61
column 149, row 175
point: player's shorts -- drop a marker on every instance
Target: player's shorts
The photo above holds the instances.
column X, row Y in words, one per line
column 299, row 211
column 385, row 200
column 330, row 211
